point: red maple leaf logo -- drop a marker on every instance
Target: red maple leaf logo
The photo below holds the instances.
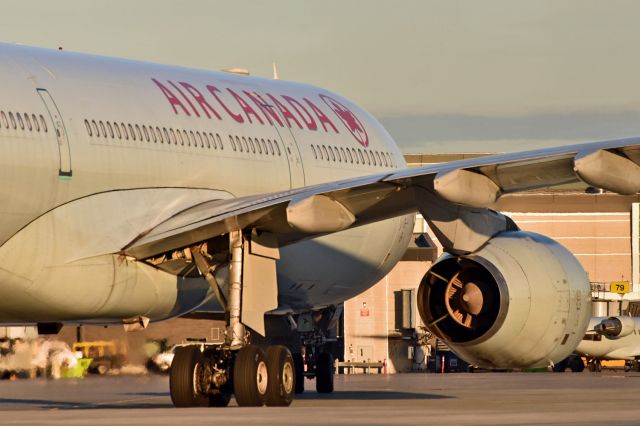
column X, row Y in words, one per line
column 349, row 119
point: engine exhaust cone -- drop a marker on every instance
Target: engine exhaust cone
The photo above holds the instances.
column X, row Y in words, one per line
column 464, row 301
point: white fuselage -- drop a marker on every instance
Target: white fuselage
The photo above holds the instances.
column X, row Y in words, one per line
column 95, row 151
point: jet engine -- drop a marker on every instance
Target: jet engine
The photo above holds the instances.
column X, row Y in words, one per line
column 522, row 300
column 615, row 327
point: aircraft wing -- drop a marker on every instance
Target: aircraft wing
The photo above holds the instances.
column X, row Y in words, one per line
column 331, row 207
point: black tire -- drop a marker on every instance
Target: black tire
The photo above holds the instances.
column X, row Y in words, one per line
column 298, row 362
column 282, row 377
column 561, row 366
column 250, row 377
column 324, row 373
column 576, row 364
column 181, row 384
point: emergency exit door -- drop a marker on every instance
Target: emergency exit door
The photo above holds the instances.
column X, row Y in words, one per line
column 64, row 151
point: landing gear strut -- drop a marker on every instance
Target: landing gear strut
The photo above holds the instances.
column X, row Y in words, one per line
column 208, row 374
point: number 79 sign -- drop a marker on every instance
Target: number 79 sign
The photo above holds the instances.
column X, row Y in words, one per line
column 620, row 287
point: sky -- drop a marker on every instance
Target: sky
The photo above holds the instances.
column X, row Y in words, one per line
column 442, row 76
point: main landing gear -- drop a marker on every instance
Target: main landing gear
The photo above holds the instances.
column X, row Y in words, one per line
column 208, row 374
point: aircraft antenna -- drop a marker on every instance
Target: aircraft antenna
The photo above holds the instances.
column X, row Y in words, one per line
column 275, row 72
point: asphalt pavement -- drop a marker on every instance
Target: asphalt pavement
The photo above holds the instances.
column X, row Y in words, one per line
column 606, row 398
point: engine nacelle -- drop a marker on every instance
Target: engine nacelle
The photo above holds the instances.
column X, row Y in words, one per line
column 522, row 300
column 615, row 327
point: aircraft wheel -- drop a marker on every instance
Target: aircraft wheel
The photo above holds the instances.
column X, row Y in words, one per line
column 576, row 364
column 298, row 362
column 183, row 376
column 282, row 377
column 250, row 377
column 324, row 373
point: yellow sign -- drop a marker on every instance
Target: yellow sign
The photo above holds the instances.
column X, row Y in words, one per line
column 620, row 287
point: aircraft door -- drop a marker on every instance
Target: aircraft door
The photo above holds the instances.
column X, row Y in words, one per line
column 64, row 150
column 296, row 169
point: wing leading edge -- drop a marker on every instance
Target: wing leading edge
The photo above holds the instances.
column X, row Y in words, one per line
column 471, row 184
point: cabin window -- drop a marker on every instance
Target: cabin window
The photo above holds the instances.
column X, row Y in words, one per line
column 35, row 122
column 28, row 121
column 13, row 121
column 206, row 139
column 88, row 126
column 117, row 130
column 166, row 135
column 277, row 147
column 258, row 147
column 239, row 144
column 199, row 139
column 219, row 142
column 110, row 128
column 94, row 126
column 270, row 147
column 315, row 155
column 192, row 139
column 20, row 122
column 172, row 136
column 385, row 160
column 124, row 131
column 326, row 154
column 103, row 130
column 43, row 124
column 349, row 155
column 4, row 119
column 264, row 147
column 233, row 144
column 361, row 156
column 132, row 132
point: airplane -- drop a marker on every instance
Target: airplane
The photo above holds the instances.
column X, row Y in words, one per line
column 611, row 338
column 136, row 192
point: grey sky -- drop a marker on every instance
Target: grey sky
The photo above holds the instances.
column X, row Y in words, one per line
column 435, row 72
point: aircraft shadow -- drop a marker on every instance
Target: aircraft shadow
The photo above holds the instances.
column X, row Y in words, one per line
column 368, row 395
column 75, row 405
column 338, row 395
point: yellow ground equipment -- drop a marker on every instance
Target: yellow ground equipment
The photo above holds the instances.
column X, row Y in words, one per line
column 106, row 355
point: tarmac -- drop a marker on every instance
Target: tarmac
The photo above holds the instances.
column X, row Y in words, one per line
column 611, row 397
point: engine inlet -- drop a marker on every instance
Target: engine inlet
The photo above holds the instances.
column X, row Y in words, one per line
column 459, row 299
